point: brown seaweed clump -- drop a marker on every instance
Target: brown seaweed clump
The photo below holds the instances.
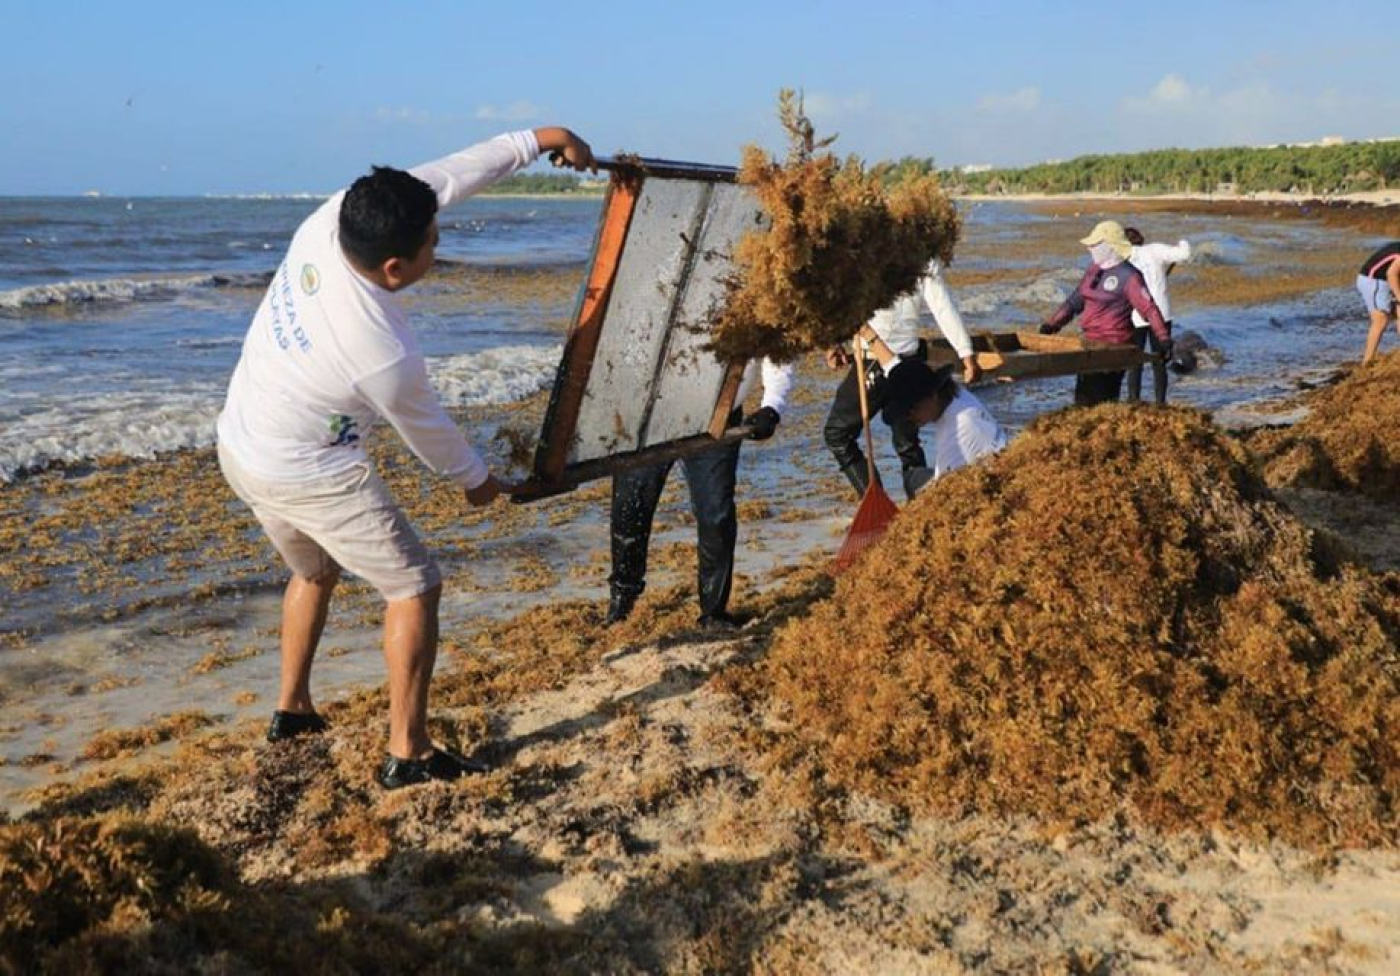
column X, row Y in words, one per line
column 1349, row 438
column 840, row 245
column 1114, row 613
column 113, row 894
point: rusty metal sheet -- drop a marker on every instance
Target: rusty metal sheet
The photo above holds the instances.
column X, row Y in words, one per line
column 637, row 384
column 639, row 317
column 687, row 383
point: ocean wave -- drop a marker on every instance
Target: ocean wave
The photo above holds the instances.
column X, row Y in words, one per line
column 85, row 292
column 145, row 423
column 499, row 375
column 267, row 196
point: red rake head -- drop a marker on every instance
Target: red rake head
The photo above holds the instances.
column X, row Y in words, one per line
column 873, row 517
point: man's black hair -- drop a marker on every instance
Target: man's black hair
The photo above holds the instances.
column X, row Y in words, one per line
column 386, row 215
column 912, row 381
column 1134, row 236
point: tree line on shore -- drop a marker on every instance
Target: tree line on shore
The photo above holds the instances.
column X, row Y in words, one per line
column 1316, row 170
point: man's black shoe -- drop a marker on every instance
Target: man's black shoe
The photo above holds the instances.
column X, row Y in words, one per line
column 619, row 608
column 289, row 725
column 720, row 622
column 442, row 765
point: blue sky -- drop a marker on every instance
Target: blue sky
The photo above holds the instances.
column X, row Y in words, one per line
column 214, row 97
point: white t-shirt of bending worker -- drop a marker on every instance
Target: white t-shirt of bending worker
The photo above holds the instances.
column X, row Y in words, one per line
column 1153, row 260
column 330, row 353
column 965, row 432
column 898, row 325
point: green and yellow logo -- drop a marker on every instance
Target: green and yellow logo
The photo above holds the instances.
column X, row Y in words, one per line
column 310, row 279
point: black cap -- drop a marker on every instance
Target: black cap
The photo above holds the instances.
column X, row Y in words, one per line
column 912, row 381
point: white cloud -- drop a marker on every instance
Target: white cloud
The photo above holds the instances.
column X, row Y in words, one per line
column 1172, row 93
column 827, row 106
column 521, row 111
column 402, row 113
column 1021, row 100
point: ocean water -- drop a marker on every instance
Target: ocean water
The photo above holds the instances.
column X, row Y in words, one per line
column 121, row 320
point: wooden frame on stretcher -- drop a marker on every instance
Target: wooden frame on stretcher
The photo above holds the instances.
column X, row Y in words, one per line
column 636, row 385
column 1029, row 355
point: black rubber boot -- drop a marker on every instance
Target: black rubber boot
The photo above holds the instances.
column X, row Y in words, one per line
column 858, row 475
column 620, row 605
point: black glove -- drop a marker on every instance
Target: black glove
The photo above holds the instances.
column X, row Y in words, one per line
column 1047, row 329
column 1166, row 349
column 763, row 422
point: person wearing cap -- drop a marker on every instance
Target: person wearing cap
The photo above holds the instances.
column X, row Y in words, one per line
column 1379, row 285
column 711, row 476
column 1155, row 261
column 964, row 430
column 898, row 327
column 1104, row 302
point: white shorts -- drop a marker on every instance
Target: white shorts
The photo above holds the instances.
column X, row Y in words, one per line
column 1375, row 293
column 348, row 520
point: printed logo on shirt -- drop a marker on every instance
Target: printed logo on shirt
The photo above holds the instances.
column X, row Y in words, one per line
column 1110, row 283
column 310, row 279
column 343, row 429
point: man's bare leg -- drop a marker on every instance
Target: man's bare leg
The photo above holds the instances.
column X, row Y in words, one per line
column 1379, row 320
column 410, row 651
column 304, row 608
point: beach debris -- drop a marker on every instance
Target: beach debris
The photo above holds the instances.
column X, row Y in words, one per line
column 841, row 243
column 1348, row 439
column 114, row 894
column 1114, row 613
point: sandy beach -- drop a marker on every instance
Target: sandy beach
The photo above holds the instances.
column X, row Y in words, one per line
column 652, row 808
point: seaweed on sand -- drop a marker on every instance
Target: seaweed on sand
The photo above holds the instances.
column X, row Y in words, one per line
column 1348, row 440
column 1113, row 613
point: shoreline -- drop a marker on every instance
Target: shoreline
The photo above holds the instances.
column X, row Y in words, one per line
column 1371, row 198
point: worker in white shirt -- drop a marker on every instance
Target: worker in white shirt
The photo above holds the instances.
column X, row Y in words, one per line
column 710, row 476
column 898, row 327
column 1155, row 261
column 328, row 354
column 963, row 429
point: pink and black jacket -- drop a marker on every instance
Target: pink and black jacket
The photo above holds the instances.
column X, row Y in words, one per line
column 1104, row 302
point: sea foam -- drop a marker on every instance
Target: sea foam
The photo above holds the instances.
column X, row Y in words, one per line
column 81, row 428
column 84, row 292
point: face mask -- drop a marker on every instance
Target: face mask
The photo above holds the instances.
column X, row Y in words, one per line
column 1103, row 255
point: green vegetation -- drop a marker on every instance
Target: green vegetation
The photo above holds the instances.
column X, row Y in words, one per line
column 1346, row 168
column 547, row 183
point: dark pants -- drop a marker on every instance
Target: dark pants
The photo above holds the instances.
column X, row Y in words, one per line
column 843, row 430
column 1142, row 338
column 1094, row 388
column 710, row 476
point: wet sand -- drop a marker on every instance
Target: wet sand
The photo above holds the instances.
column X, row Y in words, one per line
column 634, row 822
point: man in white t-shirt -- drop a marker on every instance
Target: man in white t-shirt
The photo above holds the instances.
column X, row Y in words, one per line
column 1155, row 261
column 963, row 429
column 329, row 354
column 898, row 327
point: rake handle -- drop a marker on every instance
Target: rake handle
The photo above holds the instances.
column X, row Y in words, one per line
column 864, row 412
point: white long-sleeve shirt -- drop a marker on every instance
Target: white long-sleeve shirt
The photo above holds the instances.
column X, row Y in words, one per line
column 777, row 383
column 1153, row 260
column 329, row 353
column 965, row 432
column 898, row 325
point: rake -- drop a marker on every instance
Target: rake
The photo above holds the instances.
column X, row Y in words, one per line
column 876, row 510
